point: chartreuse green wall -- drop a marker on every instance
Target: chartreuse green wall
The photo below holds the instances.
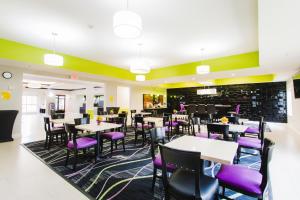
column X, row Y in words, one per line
column 29, row 54
column 297, row 76
column 224, row 81
column 241, row 61
column 25, row 53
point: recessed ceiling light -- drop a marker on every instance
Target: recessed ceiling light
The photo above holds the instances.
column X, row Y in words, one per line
column 193, row 79
column 233, row 74
column 206, row 82
column 140, row 78
column 203, row 69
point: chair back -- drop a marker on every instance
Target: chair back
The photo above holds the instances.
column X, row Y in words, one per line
column 261, row 120
column 71, row 133
column 157, row 136
column 237, row 109
column 222, row 129
column 124, row 115
column 233, row 119
column 265, row 160
column 182, row 160
column 77, row 121
column 262, row 130
column 139, row 120
column 47, row 126
column 131, row 113
column 194, row 120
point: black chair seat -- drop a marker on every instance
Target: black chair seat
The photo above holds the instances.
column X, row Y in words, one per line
column 184, row 182
column 57, row 130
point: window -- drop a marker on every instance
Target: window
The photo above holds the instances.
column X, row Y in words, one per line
column 60, row 102
column 29, row 104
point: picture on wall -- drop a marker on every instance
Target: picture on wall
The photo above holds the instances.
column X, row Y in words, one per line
column 153, row 101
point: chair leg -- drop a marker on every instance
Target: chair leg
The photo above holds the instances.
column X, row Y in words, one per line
column 75, row 159
column 238, row 155
column 135, row 139
column 123, row 142
column 116, row 144
column 95, row 151
column 50, row 141
column 111, row 147
column 46, row 141
column 57, row 138
column 67, row 158
column 154, row 177
column 223, row 190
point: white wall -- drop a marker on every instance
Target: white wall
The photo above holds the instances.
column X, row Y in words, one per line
column 123, row 97
column 14, row 85
column 294, row 106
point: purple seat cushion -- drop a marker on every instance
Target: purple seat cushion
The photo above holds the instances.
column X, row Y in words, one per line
column 158, row 163
column 113, row 135
column 205, row 135
column 240, row 177
column 249, row 142
column 252, row 130
column 83, row 142
column 172, row 124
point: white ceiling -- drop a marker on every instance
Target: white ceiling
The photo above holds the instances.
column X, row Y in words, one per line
column 174, row 30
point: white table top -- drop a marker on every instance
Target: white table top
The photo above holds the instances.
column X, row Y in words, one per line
column 158, row 121
column 94, row 127
column 63, row 121
column 107, row 116
column 213, row 150
column 237, row 128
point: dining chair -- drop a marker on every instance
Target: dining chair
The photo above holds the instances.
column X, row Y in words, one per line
column 132, row 113
column 51, row 132
column 251, row 143
column 172, row 123
column 233, row 119
column 77, row 143
column 116, row 135
column 246, row 180
column 201, row 112
column 158, row 135
column 218, row 131
column 255, row 130
column 140, row 128
column 188, row 180
column 192, row 108
column 124, row 115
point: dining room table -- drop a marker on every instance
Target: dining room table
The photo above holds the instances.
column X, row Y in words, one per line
column 218, row 151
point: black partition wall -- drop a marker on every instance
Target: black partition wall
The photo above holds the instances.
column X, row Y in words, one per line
column 258, row 99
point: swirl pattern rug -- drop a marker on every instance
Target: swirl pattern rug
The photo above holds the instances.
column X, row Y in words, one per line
column 125, row 176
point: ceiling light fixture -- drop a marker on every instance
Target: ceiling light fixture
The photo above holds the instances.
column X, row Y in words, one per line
column 127, row 24
column 140, row 78
column 207, row 83
column 34, row 85
column 203, row 69
column 140, row 65
column 53, row 59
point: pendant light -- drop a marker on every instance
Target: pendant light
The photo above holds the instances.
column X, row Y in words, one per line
column 127, row 24
column 203, row 69
column 140, row 65
column 53, row 59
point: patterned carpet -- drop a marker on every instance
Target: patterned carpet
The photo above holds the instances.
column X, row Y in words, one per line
column 126, row 175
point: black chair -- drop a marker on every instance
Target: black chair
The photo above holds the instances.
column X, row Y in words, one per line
column 233, row 119
column 188, row 180
column 251, row 143
column 246, row 180
column 158, row 135
column 211, row 111
column 115, row 135
column 221, row 129
column 51, row 132
column 7, row 118
column 140, row 128
column 78, row 143
column 124, row 115
column 132, row 114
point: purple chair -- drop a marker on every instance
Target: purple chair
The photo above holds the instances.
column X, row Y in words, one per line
column 171, row 123
column 51, row 132
column 245, row 180
column 237, row 110
column 157, row 135
column 251, row 143
column 218, row 131
column 115, row 136
column 182, row 109
column 78, row 143
column 254, row 130
column 140, row 128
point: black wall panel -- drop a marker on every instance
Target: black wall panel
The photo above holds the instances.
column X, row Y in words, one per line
column 258, row 99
